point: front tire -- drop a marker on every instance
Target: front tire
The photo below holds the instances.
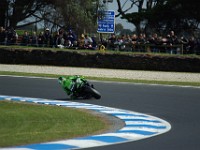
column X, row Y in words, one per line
column 94, row 93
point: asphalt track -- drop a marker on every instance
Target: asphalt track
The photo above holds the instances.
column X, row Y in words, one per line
column 180, row 106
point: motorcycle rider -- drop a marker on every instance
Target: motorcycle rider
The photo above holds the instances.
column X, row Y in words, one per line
column 69, row 84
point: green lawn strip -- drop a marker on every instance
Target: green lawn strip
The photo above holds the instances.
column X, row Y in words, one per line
column 106, row 79
column 23, row 123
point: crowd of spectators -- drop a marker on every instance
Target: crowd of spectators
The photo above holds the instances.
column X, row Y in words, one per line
column 8, row 36
column 171, row 43
column 61, row 39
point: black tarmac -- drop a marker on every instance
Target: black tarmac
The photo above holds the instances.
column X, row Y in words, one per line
column 180, row 106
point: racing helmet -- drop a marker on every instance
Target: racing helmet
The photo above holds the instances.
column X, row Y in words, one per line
column 61, row 79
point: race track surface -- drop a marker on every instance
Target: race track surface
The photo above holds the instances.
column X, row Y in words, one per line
column 177, row 105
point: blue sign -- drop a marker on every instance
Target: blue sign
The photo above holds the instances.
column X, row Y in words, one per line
column 106, row 21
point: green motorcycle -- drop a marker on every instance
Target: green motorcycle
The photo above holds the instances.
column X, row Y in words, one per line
column 78, row 87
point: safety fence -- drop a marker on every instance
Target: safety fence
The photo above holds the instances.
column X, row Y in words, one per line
column 164, row 48
column 125, row 46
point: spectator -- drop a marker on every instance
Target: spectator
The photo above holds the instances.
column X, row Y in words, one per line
column 34, row 39
column 94, row 42
column 191, row 45
column 88, row 42
column 127, row 39
column 184, row 41
column 197, row 50
column 47, row 38
column 12, row 36
column 128, row 43
column 2, row 36
column 112, row 42
column 51, row 41
column 173, row 40
column 81, row 41
column 121, row 42
column 141, row 41
column 25, row 39
column 68, row 44
column 167, row 41
column 41, row 39
column 71, row 38
column 155, row 41
column 58, row 39
column 61, row 32
column 134, row 39
column 134, row 42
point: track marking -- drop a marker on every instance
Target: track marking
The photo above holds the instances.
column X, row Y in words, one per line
column 138, row 126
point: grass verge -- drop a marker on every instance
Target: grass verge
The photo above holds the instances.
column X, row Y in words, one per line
column 106, row 79
column 23, row 123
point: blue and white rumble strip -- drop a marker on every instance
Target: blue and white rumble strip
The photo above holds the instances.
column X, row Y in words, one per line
column 137, row 126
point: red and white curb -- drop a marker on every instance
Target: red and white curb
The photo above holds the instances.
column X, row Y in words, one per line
column 137, row 126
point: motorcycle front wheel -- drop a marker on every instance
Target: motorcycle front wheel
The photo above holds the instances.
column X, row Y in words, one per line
column 93, row 92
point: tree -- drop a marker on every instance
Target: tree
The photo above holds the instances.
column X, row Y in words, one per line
column 137, row 18
column 186, row 16
column 126, row 32
column 157, row 14
column 3, row 10
column 118, row 28
column 78, row 15
column 16, row 11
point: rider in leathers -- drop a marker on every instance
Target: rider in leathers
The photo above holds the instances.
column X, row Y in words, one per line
column 69, row 84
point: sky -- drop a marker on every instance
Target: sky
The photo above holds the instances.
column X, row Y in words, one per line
column 114, row 6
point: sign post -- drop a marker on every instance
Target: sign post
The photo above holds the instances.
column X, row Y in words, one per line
column 106, row 21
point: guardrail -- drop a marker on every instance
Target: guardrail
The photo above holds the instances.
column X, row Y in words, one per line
column 174, row 49
column 128, row 47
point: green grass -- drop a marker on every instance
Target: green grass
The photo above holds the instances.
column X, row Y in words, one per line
column 26, row 123
column 106, row 79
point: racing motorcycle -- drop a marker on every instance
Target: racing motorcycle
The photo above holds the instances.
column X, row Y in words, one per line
column 78, row 87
